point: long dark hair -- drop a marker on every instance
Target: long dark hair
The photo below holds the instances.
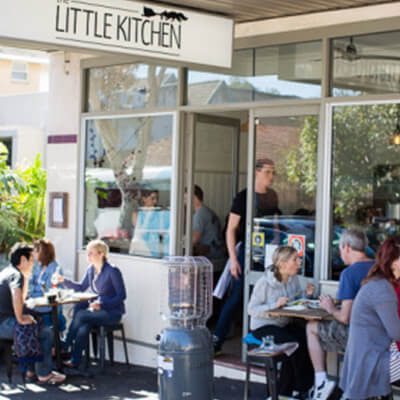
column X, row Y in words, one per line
column 387, row 254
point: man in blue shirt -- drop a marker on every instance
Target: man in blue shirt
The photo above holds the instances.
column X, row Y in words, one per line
column 332, row 335
column 207, row 234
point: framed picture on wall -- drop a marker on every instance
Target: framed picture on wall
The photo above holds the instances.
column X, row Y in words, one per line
column 58, row 210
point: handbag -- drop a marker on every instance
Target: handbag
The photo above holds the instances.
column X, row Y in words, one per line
column 27, row 344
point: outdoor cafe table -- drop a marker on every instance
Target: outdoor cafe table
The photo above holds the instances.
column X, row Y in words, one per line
column 77, row 297
column 309, row 314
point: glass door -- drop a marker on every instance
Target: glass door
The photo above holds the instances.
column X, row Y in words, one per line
column 281, row 205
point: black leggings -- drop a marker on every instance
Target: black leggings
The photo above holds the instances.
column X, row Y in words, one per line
column 297, row 371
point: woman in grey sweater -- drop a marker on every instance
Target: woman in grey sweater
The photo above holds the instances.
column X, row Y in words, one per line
column 374, row 324
column 279, row 285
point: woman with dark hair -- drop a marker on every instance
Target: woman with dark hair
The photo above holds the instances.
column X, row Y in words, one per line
column 279, row 285
column 374, row 325
column 40, row 282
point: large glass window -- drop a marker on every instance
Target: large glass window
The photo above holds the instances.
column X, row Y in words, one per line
column 286, row 165
column 128, row 183
column 262, row 74
column 367, row 64
column 131, row 86
column 365, row 174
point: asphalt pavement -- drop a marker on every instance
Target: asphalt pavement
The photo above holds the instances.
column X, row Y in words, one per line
column 117, row 382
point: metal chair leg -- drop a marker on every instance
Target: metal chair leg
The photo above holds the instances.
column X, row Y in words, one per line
column 102, row 347
column 247, row 381
column 272, row 378
column 125, row 345
column 110, row 345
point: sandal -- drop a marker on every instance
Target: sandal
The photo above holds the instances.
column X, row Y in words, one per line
column 69, row 364
column 52, row 379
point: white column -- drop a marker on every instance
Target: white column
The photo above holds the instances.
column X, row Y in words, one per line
column 62, row 151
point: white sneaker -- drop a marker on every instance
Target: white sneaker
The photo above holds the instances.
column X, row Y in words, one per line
column 324, row 390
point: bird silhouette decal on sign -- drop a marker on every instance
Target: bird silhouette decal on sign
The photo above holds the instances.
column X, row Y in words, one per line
column 167, row 15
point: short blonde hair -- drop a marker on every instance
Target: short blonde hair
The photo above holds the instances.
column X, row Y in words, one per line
column 100, row 246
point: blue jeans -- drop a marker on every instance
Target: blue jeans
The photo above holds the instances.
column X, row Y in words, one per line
column 45, row 366
column 233, row 302
column 82, row 324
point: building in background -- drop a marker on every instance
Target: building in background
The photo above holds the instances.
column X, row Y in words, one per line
column 24, row 87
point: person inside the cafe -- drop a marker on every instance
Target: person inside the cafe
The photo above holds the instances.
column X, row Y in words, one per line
column 12, row 288
column 41, row 279
column 103, row 280
column 331, row 335
column 279, row 285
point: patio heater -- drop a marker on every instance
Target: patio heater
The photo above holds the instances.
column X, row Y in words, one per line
column 185, row 357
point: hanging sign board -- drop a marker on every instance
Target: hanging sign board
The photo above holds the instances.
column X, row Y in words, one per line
column 121, row 26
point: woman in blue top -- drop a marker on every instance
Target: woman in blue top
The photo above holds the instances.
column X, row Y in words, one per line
column 104, row 280
column 40, row 281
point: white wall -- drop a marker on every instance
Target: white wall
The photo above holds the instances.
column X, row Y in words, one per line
column 62, row 158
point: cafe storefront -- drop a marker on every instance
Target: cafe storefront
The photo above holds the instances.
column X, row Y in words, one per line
column 321, row 101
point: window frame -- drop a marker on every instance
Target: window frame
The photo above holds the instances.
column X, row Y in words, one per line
column 13, row 71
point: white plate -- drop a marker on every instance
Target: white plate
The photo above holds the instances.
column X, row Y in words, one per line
column 84, row 296
column 298, row 307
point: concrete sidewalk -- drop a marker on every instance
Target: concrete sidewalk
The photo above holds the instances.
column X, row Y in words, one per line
column 118, row 382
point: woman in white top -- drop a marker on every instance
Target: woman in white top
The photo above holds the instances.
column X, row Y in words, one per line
column 279, row 285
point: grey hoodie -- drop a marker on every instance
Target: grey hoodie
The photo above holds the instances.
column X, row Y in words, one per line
column 266, row 293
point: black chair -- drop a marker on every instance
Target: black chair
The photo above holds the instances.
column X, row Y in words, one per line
column 100, row 334
column 269, row 361
column 6, row 349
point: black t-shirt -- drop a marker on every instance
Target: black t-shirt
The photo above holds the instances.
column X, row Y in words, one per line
column 265, row 204
column 10, row 278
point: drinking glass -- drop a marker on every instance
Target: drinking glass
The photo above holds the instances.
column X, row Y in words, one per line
column 268, row 342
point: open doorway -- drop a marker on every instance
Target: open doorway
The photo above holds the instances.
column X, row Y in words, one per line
column 217, row 165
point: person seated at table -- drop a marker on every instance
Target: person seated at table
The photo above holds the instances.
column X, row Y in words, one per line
column 41, row 279
column 12, row 283
column 332, row 335
column 395, row 348
column 106, row 281
column 374, row 325
column 279, row 285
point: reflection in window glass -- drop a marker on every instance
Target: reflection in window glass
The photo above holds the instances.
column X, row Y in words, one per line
column 7, row 142
column 128, row 183
column 131, row 86
column 262, row 74
column 365, row 175
column 367, row 64
column 290, row 143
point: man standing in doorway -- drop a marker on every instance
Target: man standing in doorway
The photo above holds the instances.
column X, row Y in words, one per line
column 266, row 203
column 332, row 335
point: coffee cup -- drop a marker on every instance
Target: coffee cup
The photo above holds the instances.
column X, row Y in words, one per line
column 51, row 298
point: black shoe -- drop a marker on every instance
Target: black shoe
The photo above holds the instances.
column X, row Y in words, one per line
column 217, row 346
